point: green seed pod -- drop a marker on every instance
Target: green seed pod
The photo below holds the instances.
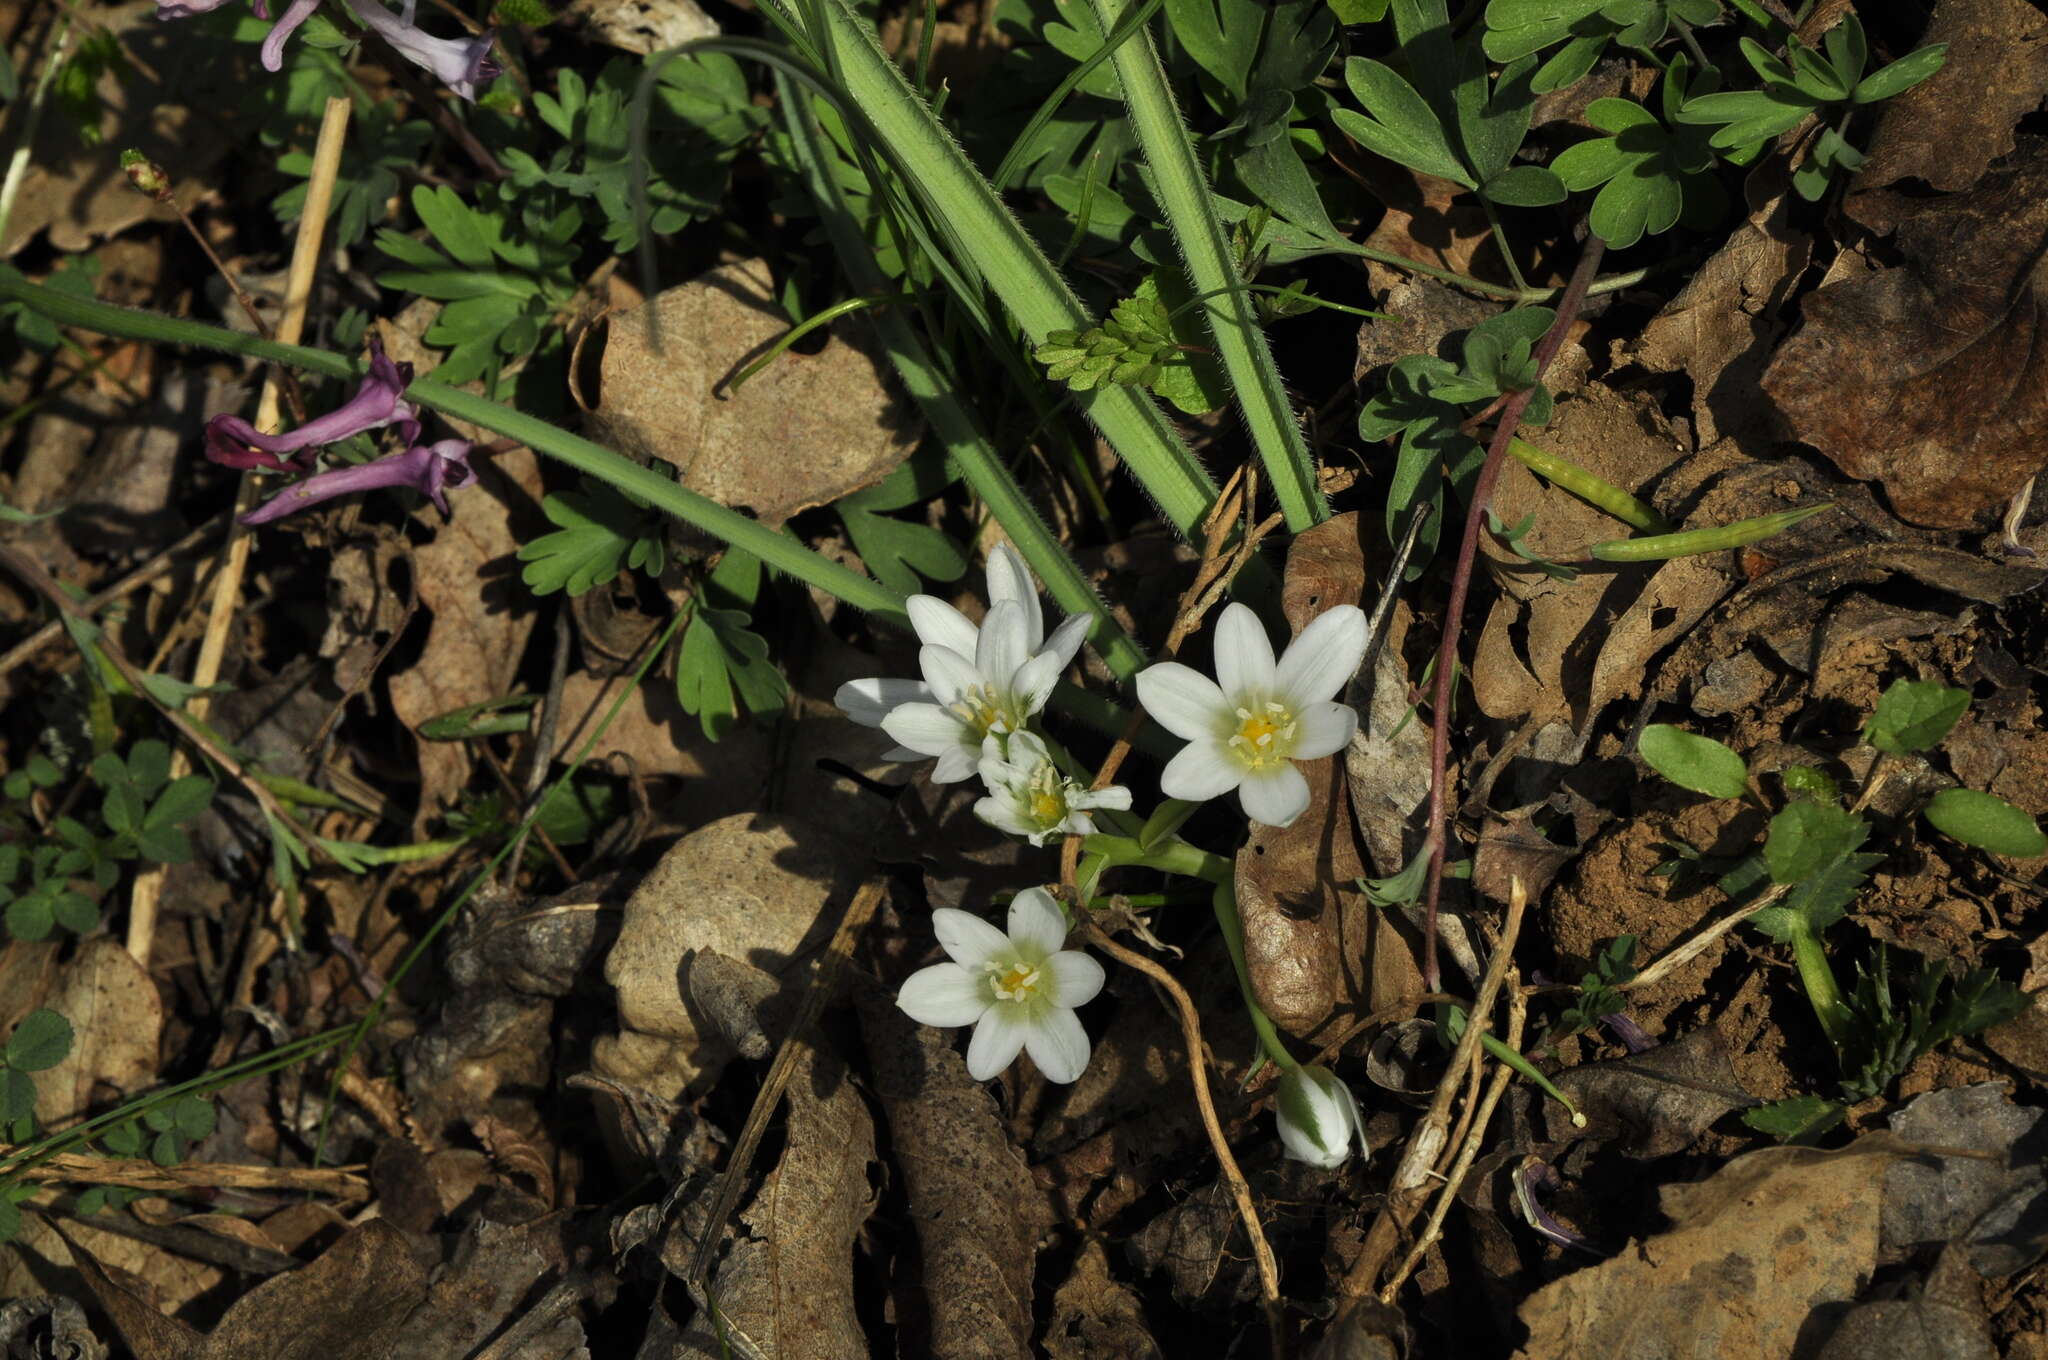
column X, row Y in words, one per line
column 1742, row 533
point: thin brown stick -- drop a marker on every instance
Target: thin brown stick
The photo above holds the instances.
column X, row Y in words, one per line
column 823, row 983
column 127, row 585
column 1240, row 1189
column 147, row 893
column 345, row 1183
column 1417, row 1167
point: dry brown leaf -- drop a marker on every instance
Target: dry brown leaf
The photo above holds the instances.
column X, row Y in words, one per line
column 79, row 192
column 1932, row 377
column 1292, row 882
column 805, row 431
column 751, row 886
column 644, row 26
column 1095, row 1316
column 498, row 1271
column 1721, row 328
column 116, row 1021
column 1772, row 1237
column 1947, row 129
column 788, row 1288
column 1549, row 650
column 468, row 578
column 978, row 1212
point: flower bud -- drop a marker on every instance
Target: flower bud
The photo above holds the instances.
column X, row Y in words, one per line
column 1319, row 1118
column 146, row 175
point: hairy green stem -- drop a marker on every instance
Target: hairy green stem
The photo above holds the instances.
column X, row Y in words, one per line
column 1241, row 345
column 1819, row 981
column 1173, row 857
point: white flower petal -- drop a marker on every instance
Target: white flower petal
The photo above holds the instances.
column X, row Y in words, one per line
column 1323, row 729
column 1002, row 649
column 1027, row 752
column 1033, row 682
column 927, row 729
column 1323, row 656
column 1076, row 977
column 1001, row 814
column 867, row 702
column 940, row 624
column 1059, row 1045
column 903, row 753
column 1200, row 772
column 1066, row 639
column 945, row 995
column 948, row 673
column 967, row 939
column 1244, row 654
column 998, row 1038
column 1275, row 795
column 1036, row 919
column 1184, row 701
column 956, row 763
column 1303, row 1146
column 1010, row 579
column 1116, row 797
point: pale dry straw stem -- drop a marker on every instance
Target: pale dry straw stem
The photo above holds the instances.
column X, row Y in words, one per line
column 1240, row 1189
column 345, row 1183
column 1417, row 1168
column 227, row 586
column 1681, row 954
column 1468, row 1147
column 823, row 983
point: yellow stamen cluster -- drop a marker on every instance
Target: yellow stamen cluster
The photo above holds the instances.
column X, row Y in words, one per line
column 1265, row 734
column 982, row 709
column 1014, row 980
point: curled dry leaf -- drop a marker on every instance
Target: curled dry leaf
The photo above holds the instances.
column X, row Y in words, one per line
column 750, row 886
column 1931, row 377
column 1657, row 1102
column 1095, row 1316
column 786, row 1287
column 116, row 1020
column 1722, row 327
column 658, row 399
column 645, row 27
column 977, row 1210
column 1949, row 128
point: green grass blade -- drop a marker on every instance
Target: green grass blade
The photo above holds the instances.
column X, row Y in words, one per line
column 777, row 550
column 1205, row 247
column 987, row 238
column 951, row 421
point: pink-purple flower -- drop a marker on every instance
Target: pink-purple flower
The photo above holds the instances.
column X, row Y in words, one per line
column 457, row 62
column 380, row 401
column 429, row 469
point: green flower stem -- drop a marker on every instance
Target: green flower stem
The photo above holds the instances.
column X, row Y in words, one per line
column 956, row 427
column 1819, row 981
column 1224, row 901
column 1455, row 1029
column 825, row 317
column 777, row 550
column 1174, row 857
column 1205, row 248
column 989, row 241
column 1594, row 491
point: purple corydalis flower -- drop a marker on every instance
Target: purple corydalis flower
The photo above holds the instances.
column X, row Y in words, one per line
column 234, row 442
column 429, row 469
column 458, row 63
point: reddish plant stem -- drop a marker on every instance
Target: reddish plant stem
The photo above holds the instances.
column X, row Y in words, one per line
column 1511, row 410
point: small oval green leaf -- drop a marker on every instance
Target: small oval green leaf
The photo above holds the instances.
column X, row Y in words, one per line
column 1692, row 762
column 1987, row 822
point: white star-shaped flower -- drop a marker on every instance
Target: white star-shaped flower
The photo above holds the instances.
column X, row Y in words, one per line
column 1030, row 797
column 977, row 681
column 1246, row 728
column 1018, row 990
